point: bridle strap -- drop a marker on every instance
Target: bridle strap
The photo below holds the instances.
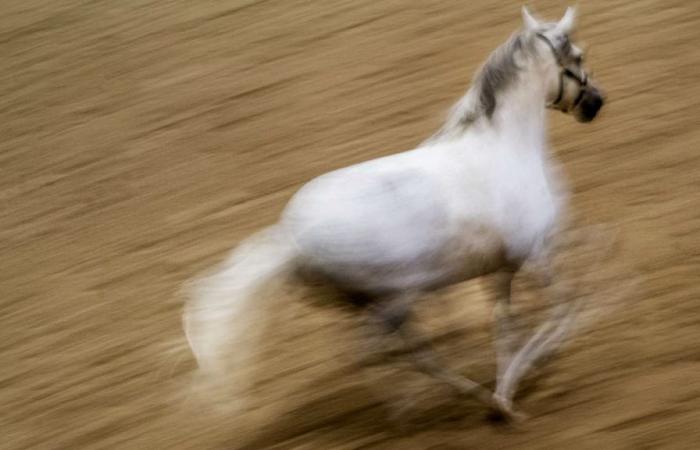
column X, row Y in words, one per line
column 581, row 91
column 565, row 72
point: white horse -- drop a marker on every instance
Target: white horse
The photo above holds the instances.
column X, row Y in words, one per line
column 479, row 197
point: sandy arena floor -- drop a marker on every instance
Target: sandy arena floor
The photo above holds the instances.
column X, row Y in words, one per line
column 142, row 139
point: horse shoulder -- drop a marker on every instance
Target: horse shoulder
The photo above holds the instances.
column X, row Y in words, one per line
column 530, row 206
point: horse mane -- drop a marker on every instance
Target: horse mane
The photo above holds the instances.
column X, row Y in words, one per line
column 497, row 74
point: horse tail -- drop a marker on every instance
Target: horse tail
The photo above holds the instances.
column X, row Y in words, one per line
column 223, row 315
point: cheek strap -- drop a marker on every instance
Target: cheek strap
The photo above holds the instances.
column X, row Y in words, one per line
column 583, row 82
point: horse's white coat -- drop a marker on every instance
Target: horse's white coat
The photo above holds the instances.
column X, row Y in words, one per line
column 480, row 196
column 451, row 209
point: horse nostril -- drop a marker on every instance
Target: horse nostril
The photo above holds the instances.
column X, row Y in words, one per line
column 599, row 95
column 590, row 108
column 599, row 98
column 590, row 105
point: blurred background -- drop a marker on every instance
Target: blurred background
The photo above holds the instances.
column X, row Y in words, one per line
column 142, row 139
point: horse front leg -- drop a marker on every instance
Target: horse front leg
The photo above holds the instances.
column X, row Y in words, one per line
column 543, row 343
column 504, row 339
column 566, row 299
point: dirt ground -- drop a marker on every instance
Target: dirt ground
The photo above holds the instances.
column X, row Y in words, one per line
column 142, row 139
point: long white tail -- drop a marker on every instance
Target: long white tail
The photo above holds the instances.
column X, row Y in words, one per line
column 222, row 315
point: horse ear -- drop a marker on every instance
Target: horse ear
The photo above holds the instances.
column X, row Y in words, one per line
column 530, row 22
column 566, row 24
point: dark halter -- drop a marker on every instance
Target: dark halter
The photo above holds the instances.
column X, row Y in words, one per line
column 565, row 73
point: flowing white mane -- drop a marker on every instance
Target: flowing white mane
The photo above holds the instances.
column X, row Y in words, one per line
column 500, row 71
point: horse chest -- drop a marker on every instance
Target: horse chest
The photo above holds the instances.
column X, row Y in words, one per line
column 529, row 212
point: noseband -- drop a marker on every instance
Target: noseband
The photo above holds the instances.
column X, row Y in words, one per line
column 583, row 82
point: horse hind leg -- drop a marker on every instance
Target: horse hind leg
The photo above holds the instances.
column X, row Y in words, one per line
column 384, row 319
column 394, row 314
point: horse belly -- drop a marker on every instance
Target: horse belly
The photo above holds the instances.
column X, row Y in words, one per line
column 373, row 266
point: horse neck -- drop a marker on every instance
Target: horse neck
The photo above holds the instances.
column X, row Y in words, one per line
column 520, row 119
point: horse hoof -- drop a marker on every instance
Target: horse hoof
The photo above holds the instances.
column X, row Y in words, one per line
column 504, row 410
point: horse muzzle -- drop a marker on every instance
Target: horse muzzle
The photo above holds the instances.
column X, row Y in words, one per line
column 591, row 102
